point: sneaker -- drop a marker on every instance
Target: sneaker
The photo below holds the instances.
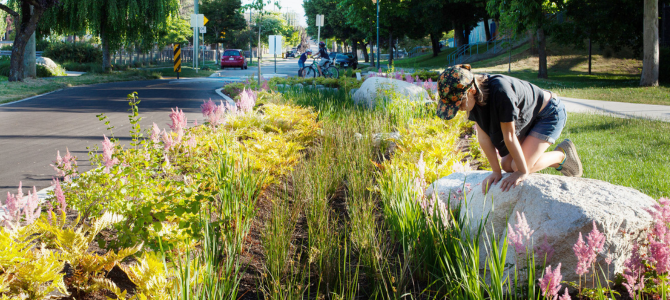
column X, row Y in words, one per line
column 571, row 166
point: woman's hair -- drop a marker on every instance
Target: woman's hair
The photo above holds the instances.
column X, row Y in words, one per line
column 482, row 87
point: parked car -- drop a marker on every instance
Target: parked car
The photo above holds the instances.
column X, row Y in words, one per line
column 233, row 58
column 344, row 60
column 290, row 54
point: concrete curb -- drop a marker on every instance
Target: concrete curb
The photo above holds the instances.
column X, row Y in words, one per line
column 228, row 99
column 33, row 97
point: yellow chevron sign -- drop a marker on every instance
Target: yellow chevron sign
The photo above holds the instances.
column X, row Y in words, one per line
column 177, row 58
column 205, row 20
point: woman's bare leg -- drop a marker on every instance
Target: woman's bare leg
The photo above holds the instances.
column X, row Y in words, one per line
column 536, row 157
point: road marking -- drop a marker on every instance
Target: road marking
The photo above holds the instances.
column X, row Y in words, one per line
column 33, row 97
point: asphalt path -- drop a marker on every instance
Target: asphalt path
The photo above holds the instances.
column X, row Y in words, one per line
column 287, row 66
column 31, row 131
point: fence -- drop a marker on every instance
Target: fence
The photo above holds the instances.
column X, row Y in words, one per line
column 9, row 53
column 165, row 55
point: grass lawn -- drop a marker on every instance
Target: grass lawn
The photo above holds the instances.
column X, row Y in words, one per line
column 612, row 79
column 11, row 91
column 628, row 152
column 186, row 72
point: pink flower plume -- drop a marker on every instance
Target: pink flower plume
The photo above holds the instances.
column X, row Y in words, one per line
column 550, row 284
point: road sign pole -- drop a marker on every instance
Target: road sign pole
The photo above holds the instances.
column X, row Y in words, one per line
column 196, row 43
column 275, row 51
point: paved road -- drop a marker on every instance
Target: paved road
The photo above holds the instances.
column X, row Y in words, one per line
column 618, row 109
column 32, row 131
column 284, row 66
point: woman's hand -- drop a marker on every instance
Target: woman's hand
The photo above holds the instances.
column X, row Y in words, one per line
column 490, row 180
column 512, row 180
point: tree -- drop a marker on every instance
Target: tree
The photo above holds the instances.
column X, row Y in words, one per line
column 25, row 23
column 176, row 31
column 335, row 25
column 650, row 58
column 522, row 15
column 259, row 6
column 115, row 21
column 223, row 15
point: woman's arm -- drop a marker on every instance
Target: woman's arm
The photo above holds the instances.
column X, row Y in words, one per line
column 514, row 147
column 492, row 156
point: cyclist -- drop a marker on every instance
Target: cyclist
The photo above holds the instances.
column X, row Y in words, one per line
column 301, row 61
column 323, row 53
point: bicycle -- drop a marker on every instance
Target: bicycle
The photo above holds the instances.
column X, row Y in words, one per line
column 329, row 71
column 308, row 71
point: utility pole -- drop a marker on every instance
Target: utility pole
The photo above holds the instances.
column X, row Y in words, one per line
column 259, row 47
column 196, row 45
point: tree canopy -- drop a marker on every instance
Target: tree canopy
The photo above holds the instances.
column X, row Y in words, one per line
column 137, row 22
column 223, row 15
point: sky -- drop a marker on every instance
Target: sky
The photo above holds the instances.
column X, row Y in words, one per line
column 291, row 5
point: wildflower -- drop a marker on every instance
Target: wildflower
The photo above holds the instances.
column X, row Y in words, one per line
column 167, row 164
column 12, row 209
column 32, row 207
column 660, row 254
column 178, row 120
column 155, row 134
column 60, row 196
column 398, row 76
column 551, row 282
column 633, row 272
column 460, row 167
column 191, row 142
column 587, row 254
column 582, row 252
column 565, row 296
column 65, row 166
column 409, row 78
column 417, row 79
column 544, row 250
column 518, row 238
column 168, row 142
column 247, row 101
column 107, row 152
column 207, row 108
column 195, row 122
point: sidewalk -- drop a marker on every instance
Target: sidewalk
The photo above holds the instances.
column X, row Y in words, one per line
column 620, row 109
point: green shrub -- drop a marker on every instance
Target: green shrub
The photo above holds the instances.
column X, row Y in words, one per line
column 234, row 89
column 42, row 71
column 664, row 65
column 73, row 52
column 82, row 67
column 425, row 74
column 6, row 48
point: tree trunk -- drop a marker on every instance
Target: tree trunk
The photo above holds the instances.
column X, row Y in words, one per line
column 542, row 51
column 435, row 43
column 365, row 51
column 458, row 34
column 533, row 42
column 24, row 30
column 354, row 48
column 487, row 29
column 650, row 57
column 372, row 51
column 390, row 48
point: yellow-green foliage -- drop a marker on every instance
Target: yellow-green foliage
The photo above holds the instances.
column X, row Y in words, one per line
column 27, row 272
column 150, row 275
column 437, row 140
column 273, row 140
column 89, row 268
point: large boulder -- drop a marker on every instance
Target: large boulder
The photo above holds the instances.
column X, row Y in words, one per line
column 559, row 208
column 380, row 88
column 47, row 62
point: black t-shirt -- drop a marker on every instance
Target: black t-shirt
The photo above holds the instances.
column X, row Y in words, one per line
column 324, row 53
column 510, row 100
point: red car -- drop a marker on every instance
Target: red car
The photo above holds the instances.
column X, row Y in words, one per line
column 233, row 58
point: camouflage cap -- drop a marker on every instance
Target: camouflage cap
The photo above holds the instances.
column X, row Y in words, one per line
column 452, row 85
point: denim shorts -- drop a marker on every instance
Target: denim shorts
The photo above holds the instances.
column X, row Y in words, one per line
column 301, row 64
column 550, row 121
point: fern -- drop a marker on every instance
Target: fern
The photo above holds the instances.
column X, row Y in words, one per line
column 150, row 276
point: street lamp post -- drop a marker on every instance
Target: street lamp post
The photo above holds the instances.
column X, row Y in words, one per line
column 377, row 2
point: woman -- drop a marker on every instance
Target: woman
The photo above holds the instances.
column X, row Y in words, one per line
column 514, row 117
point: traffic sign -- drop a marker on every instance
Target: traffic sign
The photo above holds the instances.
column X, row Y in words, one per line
column 198, row 20
column 203, row 29
column 177, row 59
column 276, row 44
